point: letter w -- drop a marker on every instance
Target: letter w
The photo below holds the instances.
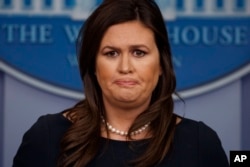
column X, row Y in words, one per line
column 71, row 32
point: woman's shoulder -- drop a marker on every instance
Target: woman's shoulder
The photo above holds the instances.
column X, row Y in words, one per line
column 55, row 118
column 196, row 135
column 48, row 125
column 55, row 122
column 192, row 129
column 40, row 143
column 50, row 120
column 192, row 126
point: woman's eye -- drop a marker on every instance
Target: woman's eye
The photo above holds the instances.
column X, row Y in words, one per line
column 111, row 54
column 139, row 53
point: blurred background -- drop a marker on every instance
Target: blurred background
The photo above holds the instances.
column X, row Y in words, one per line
column 210, row 42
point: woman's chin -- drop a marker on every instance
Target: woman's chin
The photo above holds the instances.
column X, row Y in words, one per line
column 126, row 99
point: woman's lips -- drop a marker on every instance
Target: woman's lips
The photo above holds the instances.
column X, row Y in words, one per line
column 126, row 82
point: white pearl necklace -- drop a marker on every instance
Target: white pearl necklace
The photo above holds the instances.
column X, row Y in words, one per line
column 125, row 133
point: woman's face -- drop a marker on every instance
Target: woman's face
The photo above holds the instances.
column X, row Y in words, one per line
column 128, row 64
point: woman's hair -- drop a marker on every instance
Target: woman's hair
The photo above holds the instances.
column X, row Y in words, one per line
column 80, row 143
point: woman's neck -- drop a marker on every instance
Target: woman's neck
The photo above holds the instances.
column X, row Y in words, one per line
column 121, row 117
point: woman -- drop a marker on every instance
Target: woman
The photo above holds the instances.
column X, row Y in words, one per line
column 127, row 116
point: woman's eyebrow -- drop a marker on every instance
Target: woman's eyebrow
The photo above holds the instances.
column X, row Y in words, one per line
column 130, row 47
column 109, row 47
column 139, row 46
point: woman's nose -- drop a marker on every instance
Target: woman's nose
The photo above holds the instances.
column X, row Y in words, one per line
column 125, row 65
